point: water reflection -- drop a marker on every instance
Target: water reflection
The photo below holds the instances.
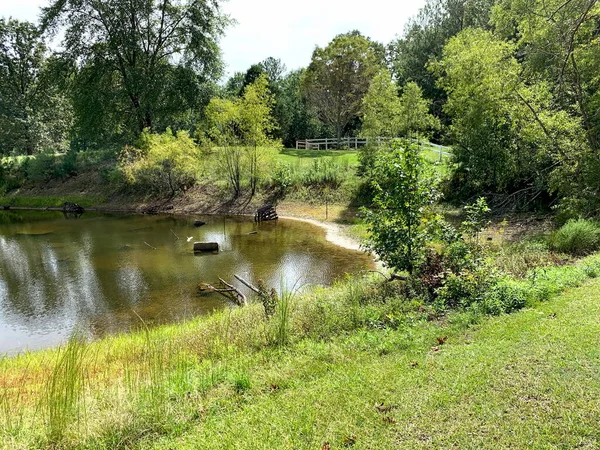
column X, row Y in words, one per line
column 100, row 272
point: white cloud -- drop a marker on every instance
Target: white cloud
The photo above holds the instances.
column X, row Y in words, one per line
column 284, row 29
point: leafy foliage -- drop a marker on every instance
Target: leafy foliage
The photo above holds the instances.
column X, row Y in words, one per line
column 162, row 163
column 338, row 77
column 405, row 189
column 149, row 57
column 240, row 130
column 34, row 114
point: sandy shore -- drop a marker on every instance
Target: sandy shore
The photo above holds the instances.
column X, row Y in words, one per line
column 335, row 233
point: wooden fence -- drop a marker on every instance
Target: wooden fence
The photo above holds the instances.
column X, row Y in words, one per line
column 356, row 143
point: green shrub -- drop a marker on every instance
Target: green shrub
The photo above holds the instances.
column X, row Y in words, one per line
column 576, row 237
column 42, row 168
column 161, row 164
column 505, row 297
column 283, row 177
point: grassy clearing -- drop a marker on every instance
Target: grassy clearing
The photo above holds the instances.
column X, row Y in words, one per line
column 355, row 365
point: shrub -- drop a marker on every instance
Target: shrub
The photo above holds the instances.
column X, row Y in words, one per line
column 283, row 177
column 160, row 164
column 504, row 297
column 576, row 237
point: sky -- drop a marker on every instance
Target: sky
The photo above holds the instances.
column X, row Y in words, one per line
column 289, row 30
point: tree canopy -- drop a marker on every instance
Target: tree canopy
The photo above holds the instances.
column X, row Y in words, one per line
column 148, row 57
column 338, row 77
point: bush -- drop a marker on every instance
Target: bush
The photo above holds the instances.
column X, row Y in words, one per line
column 576, row 237
column 160, row 164
column 505, row 297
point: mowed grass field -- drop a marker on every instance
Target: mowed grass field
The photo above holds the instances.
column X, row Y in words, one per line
column 523, row 381
column 305, row 157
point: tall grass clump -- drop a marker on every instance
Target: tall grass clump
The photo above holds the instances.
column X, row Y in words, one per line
column 63, row 390
column 282, row 318
column 576, row 237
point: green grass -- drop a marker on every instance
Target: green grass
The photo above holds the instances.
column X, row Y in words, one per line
column 87, row 201
column 355, row 365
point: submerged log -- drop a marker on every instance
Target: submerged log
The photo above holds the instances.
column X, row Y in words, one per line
column 200, row 247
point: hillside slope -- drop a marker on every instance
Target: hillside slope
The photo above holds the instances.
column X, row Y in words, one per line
column 526, row 380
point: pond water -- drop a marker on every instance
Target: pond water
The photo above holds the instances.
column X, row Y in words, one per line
column 98, row 273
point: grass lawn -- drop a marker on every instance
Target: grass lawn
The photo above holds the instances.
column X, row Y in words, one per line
column 305, row 158
column 527, row 380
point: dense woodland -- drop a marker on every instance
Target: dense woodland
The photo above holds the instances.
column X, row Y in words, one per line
column 511, row 85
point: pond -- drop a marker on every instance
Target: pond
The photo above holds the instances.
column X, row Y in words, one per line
column 105, row 273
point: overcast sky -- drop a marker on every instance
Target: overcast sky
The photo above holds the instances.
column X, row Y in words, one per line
column 284, row 29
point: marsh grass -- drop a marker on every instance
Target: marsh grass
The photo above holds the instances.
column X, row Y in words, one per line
column 63, row 390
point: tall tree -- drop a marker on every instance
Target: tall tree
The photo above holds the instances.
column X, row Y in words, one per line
column 425, row 36
column 153, row 54
column 33, row 113
column 387, row 115
column 338, row 77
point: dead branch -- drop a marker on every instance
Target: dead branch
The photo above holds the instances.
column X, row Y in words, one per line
column 247, row 284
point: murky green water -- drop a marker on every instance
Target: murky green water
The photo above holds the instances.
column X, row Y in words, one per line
column 99, row 272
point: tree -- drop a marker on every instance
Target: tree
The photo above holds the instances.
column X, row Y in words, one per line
column 425, row 36
column 507, row 133
column 381, row 107
column 294, row 119
column 241, row 128
column 338, row 77
column 34, row 115
column 256, row 124
column 154, row 55
column 405, row 189
column 413, row 114
column 251, row 75
column 557, row 42
column 235, row 85
column 387, row 115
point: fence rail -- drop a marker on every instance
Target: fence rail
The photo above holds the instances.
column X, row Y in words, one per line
column 356, row 142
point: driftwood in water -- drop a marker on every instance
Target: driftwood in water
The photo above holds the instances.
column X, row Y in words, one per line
column 200, row 247
column 266, row 213
column 227, row 290
column 247, row 284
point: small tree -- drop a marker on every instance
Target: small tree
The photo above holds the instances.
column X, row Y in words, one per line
column 381, row 107
column 405, row 188
column 413, row 111
column 256, row 123
column 240, row 128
